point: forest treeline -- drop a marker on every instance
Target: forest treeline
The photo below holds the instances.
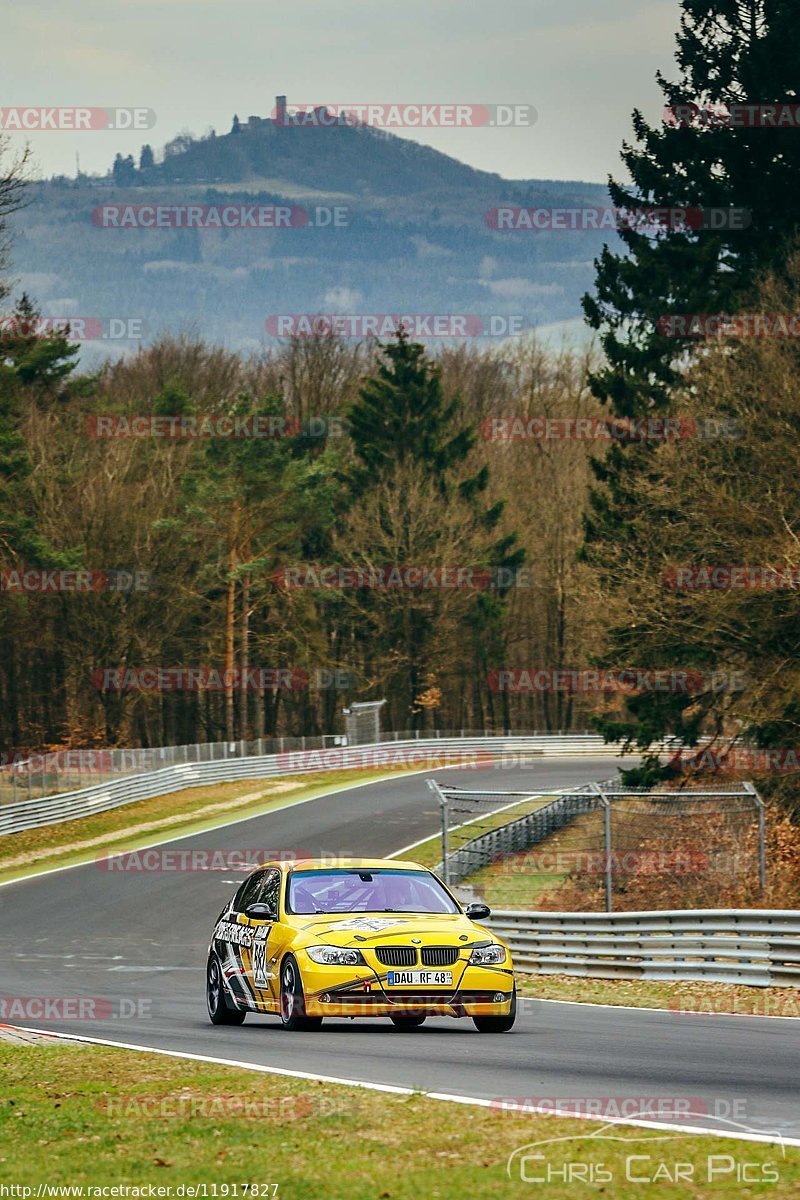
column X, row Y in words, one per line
column 635, row 564
column 130, row 545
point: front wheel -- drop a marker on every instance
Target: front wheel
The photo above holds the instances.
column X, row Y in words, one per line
column 218, row 1008
column 412, row 1022
column 293, row 1002
column 498, row 1024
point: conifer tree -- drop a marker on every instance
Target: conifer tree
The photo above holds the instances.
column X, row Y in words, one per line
column 729, row 52
column 402, row 420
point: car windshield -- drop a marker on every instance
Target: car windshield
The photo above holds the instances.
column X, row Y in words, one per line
column 352, row 891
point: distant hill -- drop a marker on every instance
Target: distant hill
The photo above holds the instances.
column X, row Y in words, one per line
column 415, row 239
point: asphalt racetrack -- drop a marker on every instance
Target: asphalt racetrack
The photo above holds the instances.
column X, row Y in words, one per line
column 139, row 940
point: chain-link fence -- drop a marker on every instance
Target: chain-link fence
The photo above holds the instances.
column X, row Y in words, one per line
column 599, row 843
column 362, row 722
column 31, row 777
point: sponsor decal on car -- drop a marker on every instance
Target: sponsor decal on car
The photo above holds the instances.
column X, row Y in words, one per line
column 229, row 931
column 260, row 957
column 372, row 924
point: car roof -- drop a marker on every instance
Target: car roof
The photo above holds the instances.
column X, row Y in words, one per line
column 344, row 864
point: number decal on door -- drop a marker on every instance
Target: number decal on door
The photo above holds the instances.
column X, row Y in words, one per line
column 260, row 957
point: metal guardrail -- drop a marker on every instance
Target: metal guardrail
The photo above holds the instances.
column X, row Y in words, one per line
column 69, row 806
column 54, row 772
column 760, row 947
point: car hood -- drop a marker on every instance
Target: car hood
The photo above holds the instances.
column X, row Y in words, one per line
column 364, row 929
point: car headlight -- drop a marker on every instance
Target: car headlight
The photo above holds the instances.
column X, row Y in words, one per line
column 487, row 954
column 335, row 956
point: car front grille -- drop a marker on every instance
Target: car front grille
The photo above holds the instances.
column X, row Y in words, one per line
column 438, row 999
column 396, row 956
column 440, row 956
column 445, row 998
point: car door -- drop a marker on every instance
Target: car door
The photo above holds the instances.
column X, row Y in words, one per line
column 233, row 940
column 260, row 960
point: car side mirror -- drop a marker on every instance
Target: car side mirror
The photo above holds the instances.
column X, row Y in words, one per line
column 477, row 912
column 260, row 912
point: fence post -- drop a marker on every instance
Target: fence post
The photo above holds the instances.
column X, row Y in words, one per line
column 606, row 803
column 762, row 839
column 433, row 785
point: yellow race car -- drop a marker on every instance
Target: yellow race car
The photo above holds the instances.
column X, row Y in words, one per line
column 360, row 938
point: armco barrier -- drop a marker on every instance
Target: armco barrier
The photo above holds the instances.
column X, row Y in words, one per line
column 52, row 773
column 760, row 947
column 50, row 810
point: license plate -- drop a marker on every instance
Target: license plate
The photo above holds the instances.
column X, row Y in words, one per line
column 428, row 978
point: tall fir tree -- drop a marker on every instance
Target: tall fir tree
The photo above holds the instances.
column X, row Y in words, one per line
column 403, row 418
column 729, row 53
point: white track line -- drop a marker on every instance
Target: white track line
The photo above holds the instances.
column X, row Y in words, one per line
column 179, row 837
column 503, row 808
column 399, row 1090
column 673, row 1012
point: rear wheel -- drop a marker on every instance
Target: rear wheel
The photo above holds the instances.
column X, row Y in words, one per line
column 293, row 1002
column 498, row 1024
column 411, row 1022
column 218, row 1008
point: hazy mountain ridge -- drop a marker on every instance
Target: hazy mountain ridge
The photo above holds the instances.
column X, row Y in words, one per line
column 416, row 215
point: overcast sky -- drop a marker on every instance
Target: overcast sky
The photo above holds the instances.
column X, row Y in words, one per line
column 583, row 64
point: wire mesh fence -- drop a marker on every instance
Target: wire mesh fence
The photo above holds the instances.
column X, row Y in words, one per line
column 34, row 776
column 599, row 844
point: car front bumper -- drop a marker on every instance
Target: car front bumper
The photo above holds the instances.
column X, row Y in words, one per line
column 364, row 992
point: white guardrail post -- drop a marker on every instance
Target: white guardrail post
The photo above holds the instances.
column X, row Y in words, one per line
column 443, row 809
column 762, row 838
column 606, row 803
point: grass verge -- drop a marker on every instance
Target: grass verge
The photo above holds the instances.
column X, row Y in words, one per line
column 146, row 821
column 97, row 1116
column 680, row 996
column 429, row 852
